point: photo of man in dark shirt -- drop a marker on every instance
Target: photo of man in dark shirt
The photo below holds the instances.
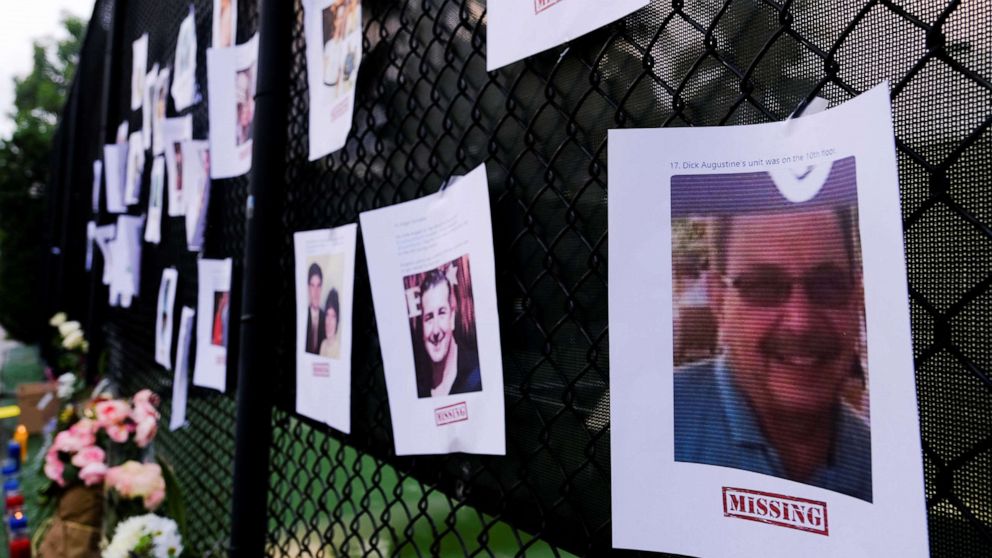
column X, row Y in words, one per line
column 786, row 290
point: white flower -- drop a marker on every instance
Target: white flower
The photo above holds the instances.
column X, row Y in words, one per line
column 74, row 340
column 57, row 319
column 66, row 328
column 166, row 541
column 67, row 385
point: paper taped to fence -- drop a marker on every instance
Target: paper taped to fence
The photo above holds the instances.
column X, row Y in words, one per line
column 180, row 378
column 139, row 69
column 125, row 260
column 156, row 195
column 212, row 323
column 519, row 28
column 135, row 169
column 231, row 80
column 97, row 182
column 334, row 51
column 160, row 98
column 196, row 190
column 102, row 236
column 184, row 81
column 761, row 366
column 325, row 279
column 115, row 165
column 175, row 131
column 225, row 23
column 433, row 280
column 163, row 316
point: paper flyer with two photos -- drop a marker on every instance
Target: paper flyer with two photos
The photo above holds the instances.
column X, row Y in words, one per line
column 325, row 279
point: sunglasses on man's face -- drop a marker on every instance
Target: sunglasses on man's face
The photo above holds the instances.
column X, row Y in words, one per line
column 769, row 286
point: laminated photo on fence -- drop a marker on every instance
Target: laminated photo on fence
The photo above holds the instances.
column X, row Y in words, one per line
column 433, row 280
column 180, row 378
column 772, row 355
column 184, row 81
column 231, row 76
column 334, row 52
column 156, row 195
column 325, row 278
column 163, row 317
column 212, row 323
column 174, row 132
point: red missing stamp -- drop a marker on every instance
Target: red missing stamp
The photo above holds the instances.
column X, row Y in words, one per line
column 452, row 413
column 541, row 5
column 321, row 369
column 776, row 509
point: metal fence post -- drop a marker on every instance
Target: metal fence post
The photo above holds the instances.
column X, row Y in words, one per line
column 253, row 430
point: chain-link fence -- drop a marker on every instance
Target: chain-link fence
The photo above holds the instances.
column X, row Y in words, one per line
column 426, row 109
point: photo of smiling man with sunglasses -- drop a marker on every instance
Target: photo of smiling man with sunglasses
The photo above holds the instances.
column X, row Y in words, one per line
column 783, row 390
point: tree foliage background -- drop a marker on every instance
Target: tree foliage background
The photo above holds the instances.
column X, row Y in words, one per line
column 25, row 163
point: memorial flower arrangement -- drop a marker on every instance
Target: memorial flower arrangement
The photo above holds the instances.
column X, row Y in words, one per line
column 145, row 536
column 102, row 468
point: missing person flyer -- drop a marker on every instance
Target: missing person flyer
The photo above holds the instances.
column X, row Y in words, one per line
column 184, row 83
column 212, row 323
column 139, row 67
column 325, row 278
column 231, row 81
column 180, row 379
column 163, row 317
column 175, row 131
column 156, row 193
column 760, row 351
column 520, row 28
column 334, row 51
column 433, row 280
column 125, row 260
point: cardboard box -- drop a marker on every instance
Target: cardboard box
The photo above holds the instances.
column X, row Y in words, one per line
column 37, row 406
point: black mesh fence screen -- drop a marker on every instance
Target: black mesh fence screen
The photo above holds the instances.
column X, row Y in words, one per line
column 426, row 109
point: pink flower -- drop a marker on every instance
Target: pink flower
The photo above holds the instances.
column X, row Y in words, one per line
column 146, row 397
column 117, row 432
column 71, row 441
column 145, row 431
column 137, row 480
column 86, row 456
column 93, row 473
column 85, row 425
column 111, row 412
column 54, row 468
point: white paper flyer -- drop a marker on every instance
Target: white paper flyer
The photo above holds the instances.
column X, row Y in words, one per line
column 180, row 379
column 231, row 78
column 156, row 193
column 151, row 81
column 115, row 161
column 175, row 131
column 520, row 28
column 163, row 317
column 97, row 179
column 125, row 260
column 184, row 82
column 196, row 191
column 761, row 365
column 225, row 23
column 325, row 278
column 139, row 67
column 90, row 242
column 135, row 169
column 334, row 51
column 102, row 237
column 213, row 318
column 433, row 280
column 160, row 98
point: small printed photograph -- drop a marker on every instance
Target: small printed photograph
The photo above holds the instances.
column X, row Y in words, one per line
column 157, row 186
column 160, row 97
column 442, row 327
column 244, row 91
column 770, row 355
column 325, row 281
column 342, row 24
column 225, row 23
column 135, row 169
column 221, row 315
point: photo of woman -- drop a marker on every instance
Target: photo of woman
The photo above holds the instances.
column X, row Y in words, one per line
column 331, row 345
